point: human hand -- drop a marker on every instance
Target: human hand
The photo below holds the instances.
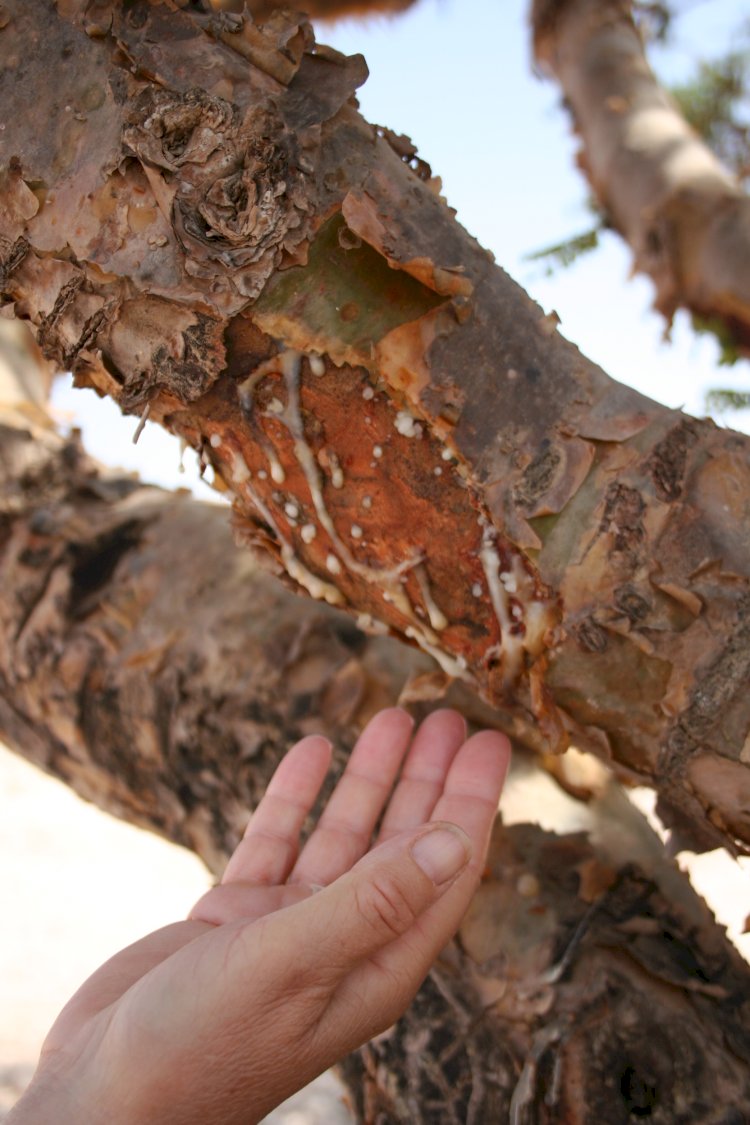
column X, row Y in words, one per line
column 294, row 959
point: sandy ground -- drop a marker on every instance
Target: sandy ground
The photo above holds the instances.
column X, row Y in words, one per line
column 76, row 886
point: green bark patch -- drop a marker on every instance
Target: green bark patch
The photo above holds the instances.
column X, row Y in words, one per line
column 346, row 291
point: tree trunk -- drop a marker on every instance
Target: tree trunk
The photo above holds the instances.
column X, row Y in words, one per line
column 684, row 215
column 588, row 982
column 583, row 989
column 199, row 223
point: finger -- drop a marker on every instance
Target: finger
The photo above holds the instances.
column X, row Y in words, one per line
column 269, row 847
column 473, row 786
column 372, row 904
column 435, row 745
column 246, row 902
column 344, row 831
column 377, row 990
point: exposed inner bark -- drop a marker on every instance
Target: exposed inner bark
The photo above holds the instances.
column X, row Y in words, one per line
column 684, row 215
column 588, row 982
column 201, row 224
column 149, row 663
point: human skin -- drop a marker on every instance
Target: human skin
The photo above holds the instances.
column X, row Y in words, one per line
column 297, row 956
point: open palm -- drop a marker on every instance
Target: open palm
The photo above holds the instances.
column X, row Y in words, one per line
column 297, row 956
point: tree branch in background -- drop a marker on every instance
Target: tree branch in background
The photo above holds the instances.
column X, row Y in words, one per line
column 684, row 215
column 587, row 985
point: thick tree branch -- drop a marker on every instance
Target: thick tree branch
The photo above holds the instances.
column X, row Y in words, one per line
column 166, row 693
column 586, row 986
column 201, row 224
column 149, row 663
column 684, row 215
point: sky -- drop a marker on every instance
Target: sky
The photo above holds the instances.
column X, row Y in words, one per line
column 456, row 76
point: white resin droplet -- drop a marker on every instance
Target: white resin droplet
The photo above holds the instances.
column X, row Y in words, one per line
column 337, row 473
column 452, row 666
column 317, row 364
column 315, row 586
column 277, row 473
column 368, row 393
column 476, row 589
column 356, row 531
column 406, row 424
column 238, row 469
column 368, row 624
column 367, row 502
column 438, row 620
column 215, row 440
column 333, row 564
column 377, row 451
column 292, row 511
column 308, row 532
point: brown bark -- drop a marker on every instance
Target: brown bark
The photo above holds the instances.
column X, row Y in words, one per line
column 316, row 9
column 684, row 215
column 583, row 989
column 149, row 663
column 588, row 982
column 402, row 430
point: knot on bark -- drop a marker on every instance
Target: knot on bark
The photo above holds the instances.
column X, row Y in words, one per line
column 168, row 129
column 239, row 192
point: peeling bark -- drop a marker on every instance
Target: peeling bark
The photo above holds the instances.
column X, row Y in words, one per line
column 583, row 988
column 685, row 217
column 588, row 982
column 150, row 664
column 201, row 224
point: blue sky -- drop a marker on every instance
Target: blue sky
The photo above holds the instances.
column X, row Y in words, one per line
column 456, row 76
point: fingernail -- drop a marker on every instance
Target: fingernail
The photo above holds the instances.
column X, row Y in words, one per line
column 442, row 853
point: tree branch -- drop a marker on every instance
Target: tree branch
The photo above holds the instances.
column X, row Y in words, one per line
column 683, row 214
column 586, row 986
column 200, row 222
column 167, row 693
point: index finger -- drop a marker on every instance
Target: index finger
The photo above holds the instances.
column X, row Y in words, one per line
column 267, row 851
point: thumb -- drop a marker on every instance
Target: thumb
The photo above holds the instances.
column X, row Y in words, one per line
column 380, row 899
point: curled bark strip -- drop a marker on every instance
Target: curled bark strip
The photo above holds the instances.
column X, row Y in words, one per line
column 684, row 216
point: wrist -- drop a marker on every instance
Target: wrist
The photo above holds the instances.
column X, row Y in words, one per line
column 48, row 1100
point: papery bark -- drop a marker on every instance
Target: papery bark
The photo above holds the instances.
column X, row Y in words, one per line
column 684, row 215
column 587, row 985
column 200, row 224
column 150, row 665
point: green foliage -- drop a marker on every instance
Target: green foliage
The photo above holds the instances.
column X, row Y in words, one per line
column 720, row 400
column 563, row 254
column 712, row 326
column 715, row 103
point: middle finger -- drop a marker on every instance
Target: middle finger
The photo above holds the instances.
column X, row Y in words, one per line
column 344, row 831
